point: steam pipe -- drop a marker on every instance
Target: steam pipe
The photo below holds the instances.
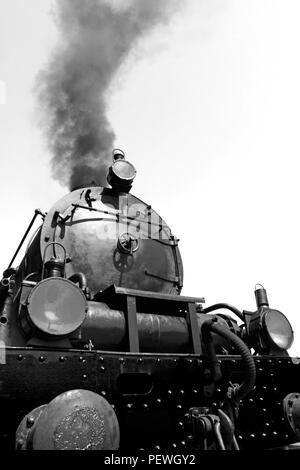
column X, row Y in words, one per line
column 80, row 278
column 233, row 309
column 250, row 370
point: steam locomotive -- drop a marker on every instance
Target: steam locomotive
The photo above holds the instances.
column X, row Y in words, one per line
column 98, row 349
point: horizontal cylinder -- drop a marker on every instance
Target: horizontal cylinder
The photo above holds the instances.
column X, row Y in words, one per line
column 107, row 330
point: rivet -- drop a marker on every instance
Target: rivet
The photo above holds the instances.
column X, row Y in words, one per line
column 274, row 433
column 84, row 377
column 190, row 361
column 158, row 361
column 179, row 407
column 157, row 447
column 102, row 369
column 30, row 421
column 145, row 406
column 251, row 400
column 101, row 359
column 20, row 358
column 180, row 424
column 195, row 391
column 81, row 359
column 140, row 360
column 122, row 360
column 183, row 443
column 252, row 435
column 42, row 359
column 62, row 359
column 182, row 392
column 175, row 361
column 170, row 392
column 261, row 399
column 264, row 434
column 129, row 406
column 103, row 393
column 158, row 401
column 174, row 446
column 267, row 424
column 113, row 406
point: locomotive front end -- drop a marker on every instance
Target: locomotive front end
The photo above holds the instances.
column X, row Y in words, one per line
column 100, row 350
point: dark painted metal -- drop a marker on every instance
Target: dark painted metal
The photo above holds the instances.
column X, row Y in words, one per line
column 29, row 383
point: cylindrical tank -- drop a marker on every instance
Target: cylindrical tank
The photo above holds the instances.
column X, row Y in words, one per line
column 106, row 329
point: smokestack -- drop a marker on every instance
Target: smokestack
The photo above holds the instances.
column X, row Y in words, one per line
column 95, row 38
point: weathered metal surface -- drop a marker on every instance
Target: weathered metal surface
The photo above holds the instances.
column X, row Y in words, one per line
column 150, row 393
column 90, row 233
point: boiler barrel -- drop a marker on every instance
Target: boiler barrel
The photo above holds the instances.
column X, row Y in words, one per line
column 107, row 330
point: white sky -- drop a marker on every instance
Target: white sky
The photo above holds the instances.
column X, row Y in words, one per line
column 208, row 110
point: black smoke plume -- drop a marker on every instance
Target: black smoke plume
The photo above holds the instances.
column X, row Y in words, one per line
column 96, row 36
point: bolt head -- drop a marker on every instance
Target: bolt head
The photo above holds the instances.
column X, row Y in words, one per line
column 30, row 421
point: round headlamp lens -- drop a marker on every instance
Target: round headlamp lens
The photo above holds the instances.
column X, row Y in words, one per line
column 278, row 329
column 56, row 306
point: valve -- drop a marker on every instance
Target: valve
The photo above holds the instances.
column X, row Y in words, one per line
column 207, row 428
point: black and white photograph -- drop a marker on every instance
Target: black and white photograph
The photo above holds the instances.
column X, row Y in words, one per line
column 150, row 228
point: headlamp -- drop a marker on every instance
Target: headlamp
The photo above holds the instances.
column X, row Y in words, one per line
column 56, row 307
column 268, row 330
column 122, row 173
column 276, row 329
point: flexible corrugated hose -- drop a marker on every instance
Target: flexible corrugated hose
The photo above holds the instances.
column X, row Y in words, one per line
column 250, row 369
